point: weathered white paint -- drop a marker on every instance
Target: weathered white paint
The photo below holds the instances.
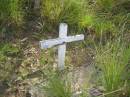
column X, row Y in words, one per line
column 54, row 42
column 50, row 43
column 62, row 48
column 37, row 4
column 61, row 41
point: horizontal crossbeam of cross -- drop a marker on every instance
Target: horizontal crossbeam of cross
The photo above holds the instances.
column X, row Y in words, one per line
column 59, row 41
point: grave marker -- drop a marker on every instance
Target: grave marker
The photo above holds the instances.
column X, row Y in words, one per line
column 61, row 43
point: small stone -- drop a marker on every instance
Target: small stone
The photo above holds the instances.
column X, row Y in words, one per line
column 28, row 94
column 95, row 92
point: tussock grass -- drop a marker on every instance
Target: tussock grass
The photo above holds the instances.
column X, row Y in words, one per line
column 69, row 11
column 105, row 16
column 112, row 58
column 54, row 12
column 58, row 87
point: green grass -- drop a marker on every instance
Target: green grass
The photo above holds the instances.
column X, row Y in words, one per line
column 58, row 87
column 11, row 17
column 112, row 58
column 16, row 13
column 9, row 56
column 67, row 11
column 11, row 10
column 104, row 16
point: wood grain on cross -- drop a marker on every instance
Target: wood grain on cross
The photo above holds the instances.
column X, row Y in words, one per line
column 61, row 43
column 36, row 4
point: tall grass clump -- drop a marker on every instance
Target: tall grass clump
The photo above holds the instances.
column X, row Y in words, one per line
column 3, row 8
column 16, row 11
column 58, row 87
column 11, row 17
column 106, row 16
column 68, row 11
column 112, row 59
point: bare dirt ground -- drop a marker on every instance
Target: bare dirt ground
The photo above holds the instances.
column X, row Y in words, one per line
column 78, row 60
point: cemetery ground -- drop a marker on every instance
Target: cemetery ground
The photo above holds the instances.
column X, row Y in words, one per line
column 35, row 73
column 91, row 69
column 32, row 66
column 64, row 48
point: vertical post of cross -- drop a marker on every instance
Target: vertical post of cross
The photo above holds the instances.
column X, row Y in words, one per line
column 36, row 4
column 62, row 48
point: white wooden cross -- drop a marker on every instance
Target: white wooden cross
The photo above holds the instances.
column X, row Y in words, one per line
column 61, row 43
